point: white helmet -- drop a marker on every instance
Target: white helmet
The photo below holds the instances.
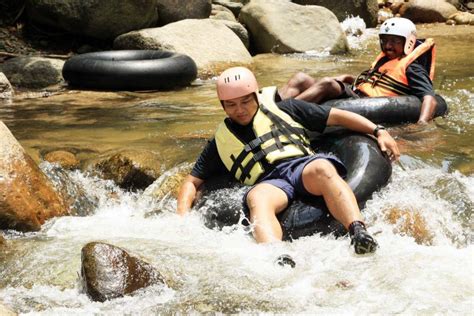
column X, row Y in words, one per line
column 401, row 27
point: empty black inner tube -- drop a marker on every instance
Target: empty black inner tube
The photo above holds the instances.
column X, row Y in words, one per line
column 130, row 70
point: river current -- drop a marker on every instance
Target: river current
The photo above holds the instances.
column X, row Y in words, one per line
column 427, row 268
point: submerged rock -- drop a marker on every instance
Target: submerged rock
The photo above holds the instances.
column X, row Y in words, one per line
column 130, row 169
column 65, row 159
column 27, row 197
column 410, row 223
column 109, row 272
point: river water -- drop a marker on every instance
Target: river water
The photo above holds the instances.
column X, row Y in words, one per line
column 426, row 270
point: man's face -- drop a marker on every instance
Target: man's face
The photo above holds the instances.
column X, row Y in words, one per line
column 392, row 45
column 241, row 110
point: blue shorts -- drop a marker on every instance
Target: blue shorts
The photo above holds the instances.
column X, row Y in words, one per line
column 287, row 176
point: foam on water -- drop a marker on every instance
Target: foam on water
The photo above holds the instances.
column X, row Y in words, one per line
column 227, row 271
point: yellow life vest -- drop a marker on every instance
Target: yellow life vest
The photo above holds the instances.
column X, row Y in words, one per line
column 278, row 137
column 390, row 79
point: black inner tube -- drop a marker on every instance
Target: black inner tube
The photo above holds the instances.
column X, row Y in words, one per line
column 368, row 171
column 391, row 110
column 130, row 70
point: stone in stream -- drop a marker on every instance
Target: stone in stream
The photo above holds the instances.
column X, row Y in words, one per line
column 176, row 10
column 33, row 72
column 6, row 90
column 131, row 169
column 27, row 197
column 109, row 272
column 65, row 159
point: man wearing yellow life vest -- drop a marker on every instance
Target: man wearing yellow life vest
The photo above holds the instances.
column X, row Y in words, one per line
column 263, row 144
column 404, row 67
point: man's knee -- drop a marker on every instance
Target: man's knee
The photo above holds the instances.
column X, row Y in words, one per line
column 328, row 83
column 320, row 170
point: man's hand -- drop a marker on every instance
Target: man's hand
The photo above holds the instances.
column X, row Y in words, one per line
column 388, row 145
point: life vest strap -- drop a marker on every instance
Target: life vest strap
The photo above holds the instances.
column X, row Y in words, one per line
column 289, row 130
column 256, row 143
column 260, row 155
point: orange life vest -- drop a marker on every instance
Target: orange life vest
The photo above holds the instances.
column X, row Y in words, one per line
column 390, row 79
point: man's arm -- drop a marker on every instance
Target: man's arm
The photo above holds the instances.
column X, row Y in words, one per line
column 427, row 109
column 359, row 123
column 187, row 194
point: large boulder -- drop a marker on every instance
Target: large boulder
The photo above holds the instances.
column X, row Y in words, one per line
column 33, row 72
column 131, row 169
column 6, row 90
column 284, row 27
column 176, row 10
column 365, row 9
column 27, row 197
column 427, row 11
column 103, row 19
column 212, row 45
column 109, row 272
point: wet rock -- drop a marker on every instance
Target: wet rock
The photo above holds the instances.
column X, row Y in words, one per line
column 462, row 18
column 222, row 13
column 170, row 11
column 27, row 197
column 169, row 183
column 109, row 272
column 283, row 27
column 131, row 170
column 5, row 311
column 191, row 37
column 6, row 90
column 103, row 19
column 427, row 11
column 65, row 159
column 366, row 9
column 410, row 223
column 80, row 204
column 33, row 72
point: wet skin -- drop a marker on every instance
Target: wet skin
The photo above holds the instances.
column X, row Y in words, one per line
column 392, row 45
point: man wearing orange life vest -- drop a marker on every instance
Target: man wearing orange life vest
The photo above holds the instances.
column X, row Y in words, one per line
column 404, row 67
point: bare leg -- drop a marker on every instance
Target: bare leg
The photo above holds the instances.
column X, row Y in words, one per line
column 265, row 201
column 324, row 89
column 296, row 85
column 321, row 178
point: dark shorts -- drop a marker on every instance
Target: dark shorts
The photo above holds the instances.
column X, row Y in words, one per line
column 347, row 91
column 287, row 176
